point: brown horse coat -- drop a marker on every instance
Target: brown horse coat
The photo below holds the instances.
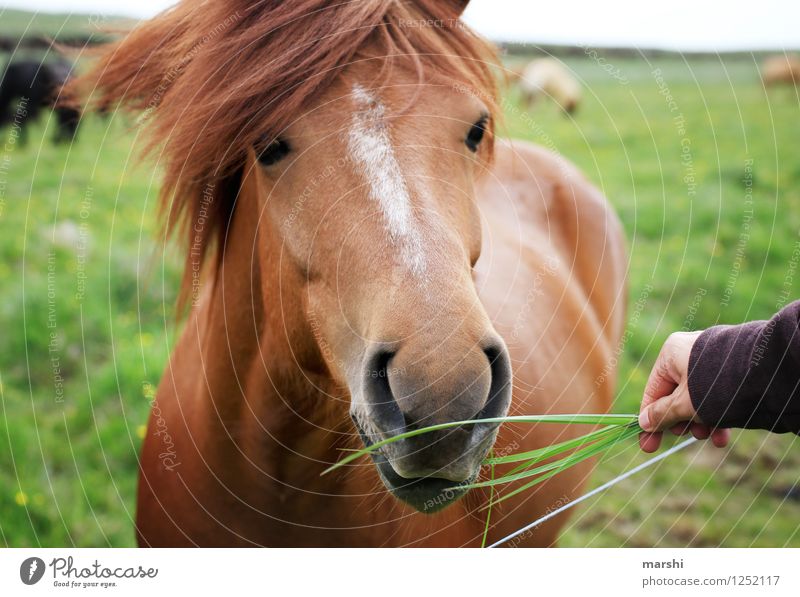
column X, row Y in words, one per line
column 560, row 310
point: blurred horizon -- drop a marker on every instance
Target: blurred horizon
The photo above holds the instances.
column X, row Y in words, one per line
column 681, row 25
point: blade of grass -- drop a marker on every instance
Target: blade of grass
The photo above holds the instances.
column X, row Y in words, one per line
column 620, row 420
column 489, row 507
column 546, row 452
column 575, row 457
column 584, row 440
column 630, row 433
column 608, row 442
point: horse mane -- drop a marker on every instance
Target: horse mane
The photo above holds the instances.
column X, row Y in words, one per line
column 212, row 78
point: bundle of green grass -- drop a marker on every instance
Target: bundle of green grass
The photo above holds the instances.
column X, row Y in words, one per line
column 531, row 466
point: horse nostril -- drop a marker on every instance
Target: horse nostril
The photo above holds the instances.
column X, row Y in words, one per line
column 382, row 405
column 411, row 424
column 499, row 398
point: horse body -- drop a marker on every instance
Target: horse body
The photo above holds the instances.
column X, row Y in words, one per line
column 247, row 471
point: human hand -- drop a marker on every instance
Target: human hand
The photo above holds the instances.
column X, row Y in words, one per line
column 666, row 403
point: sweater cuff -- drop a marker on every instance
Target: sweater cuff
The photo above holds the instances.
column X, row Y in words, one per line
column 718, row 382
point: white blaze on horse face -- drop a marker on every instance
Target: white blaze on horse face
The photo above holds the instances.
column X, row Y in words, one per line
column 371, row 149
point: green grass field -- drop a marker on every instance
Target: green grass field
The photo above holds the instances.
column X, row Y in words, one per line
column 708, row 189
column 87, row 301
column 23, row 24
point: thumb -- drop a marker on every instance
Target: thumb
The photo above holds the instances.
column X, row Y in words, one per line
column 667, row 411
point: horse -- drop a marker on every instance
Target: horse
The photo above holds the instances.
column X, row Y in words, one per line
column 548, row 77
column 781, row 70
column 364, row 257
column 27, row 87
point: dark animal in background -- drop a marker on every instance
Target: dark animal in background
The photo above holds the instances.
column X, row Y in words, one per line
column 29, row 86
column 67, row 115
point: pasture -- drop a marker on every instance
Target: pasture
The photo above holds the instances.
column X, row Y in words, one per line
column 23, row 24
column 698, row 160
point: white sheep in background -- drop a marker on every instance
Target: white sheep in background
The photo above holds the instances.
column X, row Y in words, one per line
column 548, row 77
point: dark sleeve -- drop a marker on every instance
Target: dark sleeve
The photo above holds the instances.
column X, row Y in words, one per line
column 749, row 375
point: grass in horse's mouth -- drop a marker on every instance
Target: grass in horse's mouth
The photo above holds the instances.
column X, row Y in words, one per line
column 531, row 467
column 426, row 494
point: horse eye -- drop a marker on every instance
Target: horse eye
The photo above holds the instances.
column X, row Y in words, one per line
column 274, row 152
column 476, row 133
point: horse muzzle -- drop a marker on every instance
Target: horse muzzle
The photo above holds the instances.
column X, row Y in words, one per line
column 402, row 392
